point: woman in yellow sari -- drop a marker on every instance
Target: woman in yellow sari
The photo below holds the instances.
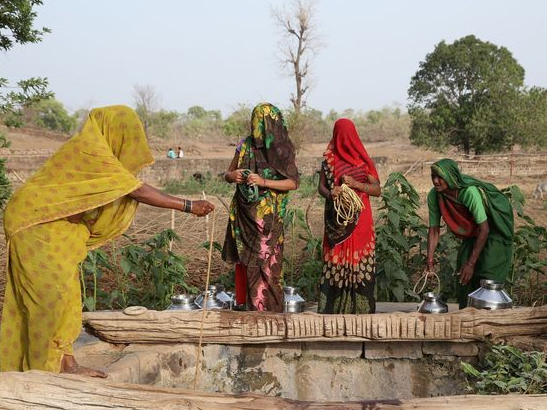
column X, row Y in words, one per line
column 85, row 195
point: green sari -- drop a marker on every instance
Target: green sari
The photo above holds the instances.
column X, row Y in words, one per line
column 495, row 258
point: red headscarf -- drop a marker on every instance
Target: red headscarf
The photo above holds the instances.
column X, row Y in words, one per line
column 346, row 146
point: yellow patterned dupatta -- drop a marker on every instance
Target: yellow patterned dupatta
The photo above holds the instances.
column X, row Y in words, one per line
column 96, row 168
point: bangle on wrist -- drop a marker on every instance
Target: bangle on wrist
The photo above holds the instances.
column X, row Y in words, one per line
column 186, row 205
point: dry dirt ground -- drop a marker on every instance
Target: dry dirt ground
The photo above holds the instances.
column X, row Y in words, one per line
column 195, row 231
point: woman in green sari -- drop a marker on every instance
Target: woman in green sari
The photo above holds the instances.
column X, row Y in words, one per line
column 476, row 212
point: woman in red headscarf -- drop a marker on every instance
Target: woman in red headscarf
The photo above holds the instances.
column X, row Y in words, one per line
column 347, row 283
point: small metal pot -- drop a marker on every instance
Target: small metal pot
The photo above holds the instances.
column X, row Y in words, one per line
column 292, row 301
column 212, row 301
column 183, row 302
column 432, row 304
column 489, row 296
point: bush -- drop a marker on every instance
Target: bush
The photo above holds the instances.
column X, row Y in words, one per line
column 506, row 369
column 51, row 114
column 5, row 185
column 147, row 274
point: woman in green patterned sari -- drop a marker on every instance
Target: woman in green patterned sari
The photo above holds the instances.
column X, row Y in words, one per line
column 264, row 168
column 476, row 212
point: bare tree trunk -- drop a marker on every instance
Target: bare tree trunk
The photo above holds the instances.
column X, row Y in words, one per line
column 299, row 43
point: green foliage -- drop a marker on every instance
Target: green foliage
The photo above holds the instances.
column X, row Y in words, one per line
column 16, row 27
column 527, row 285
column 191, row 186
column 400, row 239
column 52, row 115
column 308, row 186
column 506, row 370
column 529, row 128
column 161, row 123
column 238, row 122
column 5, row 185
column 447, row 255
column 146, row 274
column 464, row 95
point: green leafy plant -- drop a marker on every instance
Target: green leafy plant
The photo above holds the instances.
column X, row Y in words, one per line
column 400, row 239
column 529, row 244
column 147, row 274
column 91, row 271
column 5, row 185
column 191, row 186
column 506, row 369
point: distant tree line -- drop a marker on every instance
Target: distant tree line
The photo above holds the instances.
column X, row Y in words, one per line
column 199, row 124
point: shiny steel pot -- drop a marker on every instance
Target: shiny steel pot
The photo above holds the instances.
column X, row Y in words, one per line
column 183, row 302
column 292, row 301
column 432, row 304
column 212, row 301
column 489, row 296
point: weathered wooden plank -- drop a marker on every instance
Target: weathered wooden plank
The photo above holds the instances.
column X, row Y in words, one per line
column 230, row 327
column 34, row 389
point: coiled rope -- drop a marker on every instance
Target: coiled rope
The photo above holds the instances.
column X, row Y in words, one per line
column 347, row 205
column 249, row 192
column 426, row 276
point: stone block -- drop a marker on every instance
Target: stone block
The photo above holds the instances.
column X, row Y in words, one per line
column 450, row 348
column 333, row 350
column 396, row 350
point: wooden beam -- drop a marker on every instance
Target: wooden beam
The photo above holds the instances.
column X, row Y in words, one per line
column 229, row 327
column 57, row 391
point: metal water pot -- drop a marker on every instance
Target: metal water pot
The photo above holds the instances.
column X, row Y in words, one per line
column 432, row 304
column 489, row 296
column 183, row 302
column 212, row 301
column 292, row 301
column 225, row 298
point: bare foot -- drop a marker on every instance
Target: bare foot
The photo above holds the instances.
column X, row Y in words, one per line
column 69, row 365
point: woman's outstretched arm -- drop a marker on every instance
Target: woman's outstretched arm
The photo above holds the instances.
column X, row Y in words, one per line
column 149, row 195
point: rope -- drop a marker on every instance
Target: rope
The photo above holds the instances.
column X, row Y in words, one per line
column 204, row 306
column 347, row 205
column 249, row 192
column 425, row 277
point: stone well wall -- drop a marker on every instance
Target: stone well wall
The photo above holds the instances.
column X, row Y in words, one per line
column 320, row 371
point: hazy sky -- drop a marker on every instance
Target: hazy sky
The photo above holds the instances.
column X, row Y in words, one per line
column 218, row 53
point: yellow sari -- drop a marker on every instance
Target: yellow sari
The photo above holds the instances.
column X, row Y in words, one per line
column 92, row 172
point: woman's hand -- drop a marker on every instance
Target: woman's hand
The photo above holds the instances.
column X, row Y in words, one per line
column 429, row 266
column 466, row 273
column 337, row 190
column 235, row 176
column 201, row 207
column 255, row 179
column 349, row 181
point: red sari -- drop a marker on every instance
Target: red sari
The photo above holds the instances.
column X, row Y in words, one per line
column 347, row 283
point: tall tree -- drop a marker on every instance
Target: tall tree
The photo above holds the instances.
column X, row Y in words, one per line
column 464, row 95
column 300, row 42
column 146, row 102
column 16, row 27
